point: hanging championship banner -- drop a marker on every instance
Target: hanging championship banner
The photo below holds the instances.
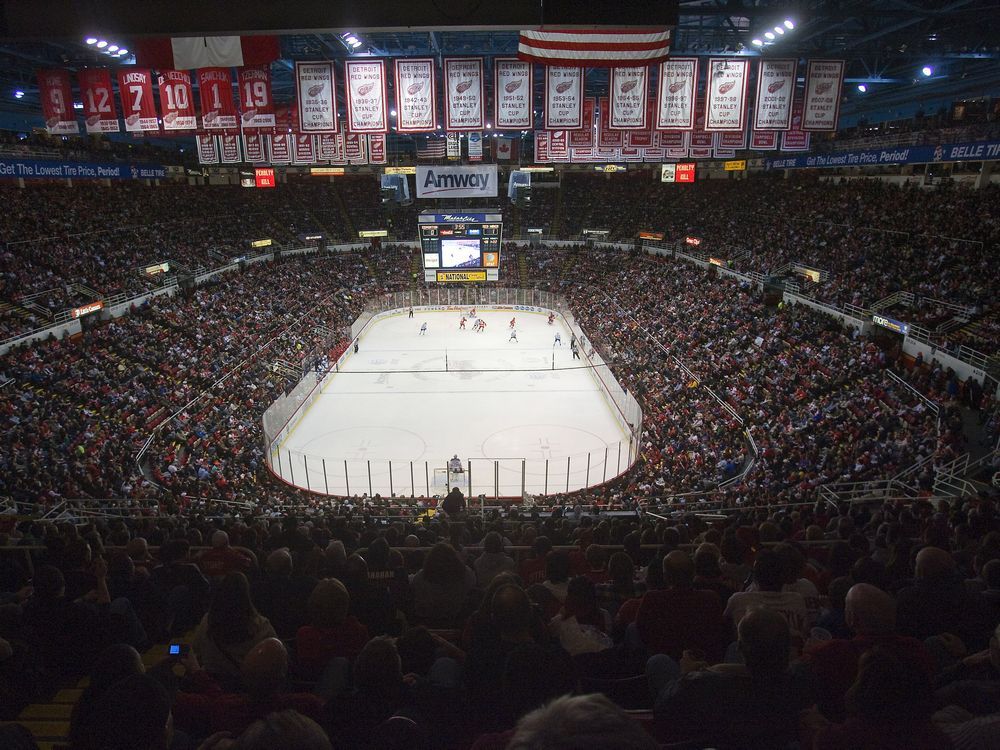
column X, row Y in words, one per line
column 303, row 148
column 367, row 97
column 57, row 102
column 732, row 140
column 253, row 146
column 795, row 138
column 256, row 102
column 218, row 111
column 229, row 149
column 764, row 140
column 629, row 89
column 675, row 94
column 376, row 148
column 558, row 145
column 725, row 106
column 541, row 146
column 316, row 86
column 639, row 138
column 775, row 89
column 720, row 150
column 512, row 94
column 281, row 148
column 354, row 147
column 331, row 148
column 453, row 146
column 654, row 155
column 176, row 100
column 135, row 88
column 208, row 150
column 584, row 137
column 563, row 98
column 607, row 138
column 581, row 154
column 463, row 81
column 416, row 102
column 98, row 100
column 824, row 87
column 675, row 145
column 631, row 154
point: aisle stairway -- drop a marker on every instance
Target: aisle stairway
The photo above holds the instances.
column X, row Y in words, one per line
column 557, row 214
column 352, row 232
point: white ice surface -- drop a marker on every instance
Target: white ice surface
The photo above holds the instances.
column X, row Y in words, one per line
column 415, row 401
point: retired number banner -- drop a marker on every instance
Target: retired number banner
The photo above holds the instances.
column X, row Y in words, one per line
column 416, row 101
column 98, row 100
column 367, row 97
column 256, row 102
column 824, row 82
column 726, row 104
column 135, row 87
column 57, row 102
column 675, row 94
column 775, row 88
column 463, row 106
column 176, row 100
column 218, row 111
column 316, row 85
column 563, row 98
column 629, row 88
column 512, row 94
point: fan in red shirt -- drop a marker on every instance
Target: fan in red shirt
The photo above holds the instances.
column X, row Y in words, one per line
column 332, row 631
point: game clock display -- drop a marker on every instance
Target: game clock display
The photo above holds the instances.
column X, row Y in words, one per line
column 461, row 242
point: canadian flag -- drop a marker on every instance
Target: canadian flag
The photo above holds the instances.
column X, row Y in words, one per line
column 503, row 149
column 183, row 53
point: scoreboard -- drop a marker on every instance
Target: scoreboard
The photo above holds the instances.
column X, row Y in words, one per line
column 463, row 246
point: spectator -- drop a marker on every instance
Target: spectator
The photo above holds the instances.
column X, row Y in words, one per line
column 585, row 722
column 230, row 629
column 442, row 586
column 221, row 559
column 182, row 583
column 331, row 631
column 286, row 729
column 492, row 561
column 132, row 714
column 769, row 572
column 281, row 595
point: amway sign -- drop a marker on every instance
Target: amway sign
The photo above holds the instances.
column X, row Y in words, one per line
column 457, row 182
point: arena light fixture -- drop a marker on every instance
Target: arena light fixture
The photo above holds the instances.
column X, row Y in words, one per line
column 757, row 43
column 779, row 30
column 122, row 52
column 927, row 70
column 862, row 88
column 788, row 24
column 77, row 105
column 102, row 44
column 392, row 113
column 112, row 48
column 91, row 40
column 769, row 35
column 19, row 94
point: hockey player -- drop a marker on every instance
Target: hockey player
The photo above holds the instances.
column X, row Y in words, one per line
column 411, row 313
column 575, row 349
column 461, row 324
column 472, row 313
column 558, row 340
column 423, row 329
column 552, row 318
column 513, row 335
column 513, row 321
column 481, row 325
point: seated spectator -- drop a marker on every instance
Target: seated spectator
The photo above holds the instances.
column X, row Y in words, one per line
column 889, row 706
column 132, row 714
column 680, row 617
column 221, row 559
column 708, row 575
column 285, row 729
column 112, row 665
column 557, row 568
column 581, row 626
column 182, row 583
column 492, row 561
column 371, row 603
column 231, row 627
column 441, row 587
column 769, row 573
column 973, row 681
column 871, row 615
column 597, row 560
column 281, row 594
column 331, row 631
column 621, row 586
column 585, row 722
column 205, row 707
column 832, row 618
column 532, row 569
column 755, row 705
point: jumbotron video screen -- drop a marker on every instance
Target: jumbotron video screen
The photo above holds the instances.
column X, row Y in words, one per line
column 461, row 246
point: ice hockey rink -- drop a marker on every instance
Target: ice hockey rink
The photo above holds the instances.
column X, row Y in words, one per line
column 523, row 416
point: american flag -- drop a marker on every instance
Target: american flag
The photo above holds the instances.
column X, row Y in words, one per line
column 595, row 48
column 431, row 149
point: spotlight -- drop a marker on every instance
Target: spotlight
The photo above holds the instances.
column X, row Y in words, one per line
column 779, row 31
column 91, row 40
column 769, row 35
column 102, row 44
column 862, row 88
column 757, row 43
column 788, row 24
column 19, row 94
column 392, row 112
column 113, row 48
column 352, row 39
column 927, row 70
column 489, row 126
column 77, row 105
column 122, row 52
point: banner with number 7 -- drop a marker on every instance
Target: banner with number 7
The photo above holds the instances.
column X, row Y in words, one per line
column 135, row 88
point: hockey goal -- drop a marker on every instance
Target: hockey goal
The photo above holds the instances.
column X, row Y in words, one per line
column 444, row 478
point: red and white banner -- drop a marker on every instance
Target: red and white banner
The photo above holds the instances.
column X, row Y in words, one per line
column 98, row 100
column 541, row 146
column 354, row 148
column 726, row 103
column 775, row 90
column 763, row 140
column 208, row 149
column 367, row 96
column 558, row 145
column 376, row 148
column 331, row 148
column 504, row 149
column 795, row 138
column 653, row 155
column 631, row 154
column 416, row 102
column 463, row 105
column 316, row 89
column 675, row 94
column 722, row 151
column 281, row 148
column 57, row 102
column 512, row 94
column 229, row 146
column 253, row 146
column 218, row 110
column 584, row 137
column 256, row 102
column 674, row 144
column 824, row 87
column 639, row 138
column 629, row 90
column 732, row 141
column 176, row 100
column 608, row 154
column 607, row 138
column 303, row 148
column 135, row 87
column 563, row 98
column 594, row 48
column 581, row 154
column 183, row 53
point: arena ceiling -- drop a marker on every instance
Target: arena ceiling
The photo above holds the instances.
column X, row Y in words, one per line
column 887, row 43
